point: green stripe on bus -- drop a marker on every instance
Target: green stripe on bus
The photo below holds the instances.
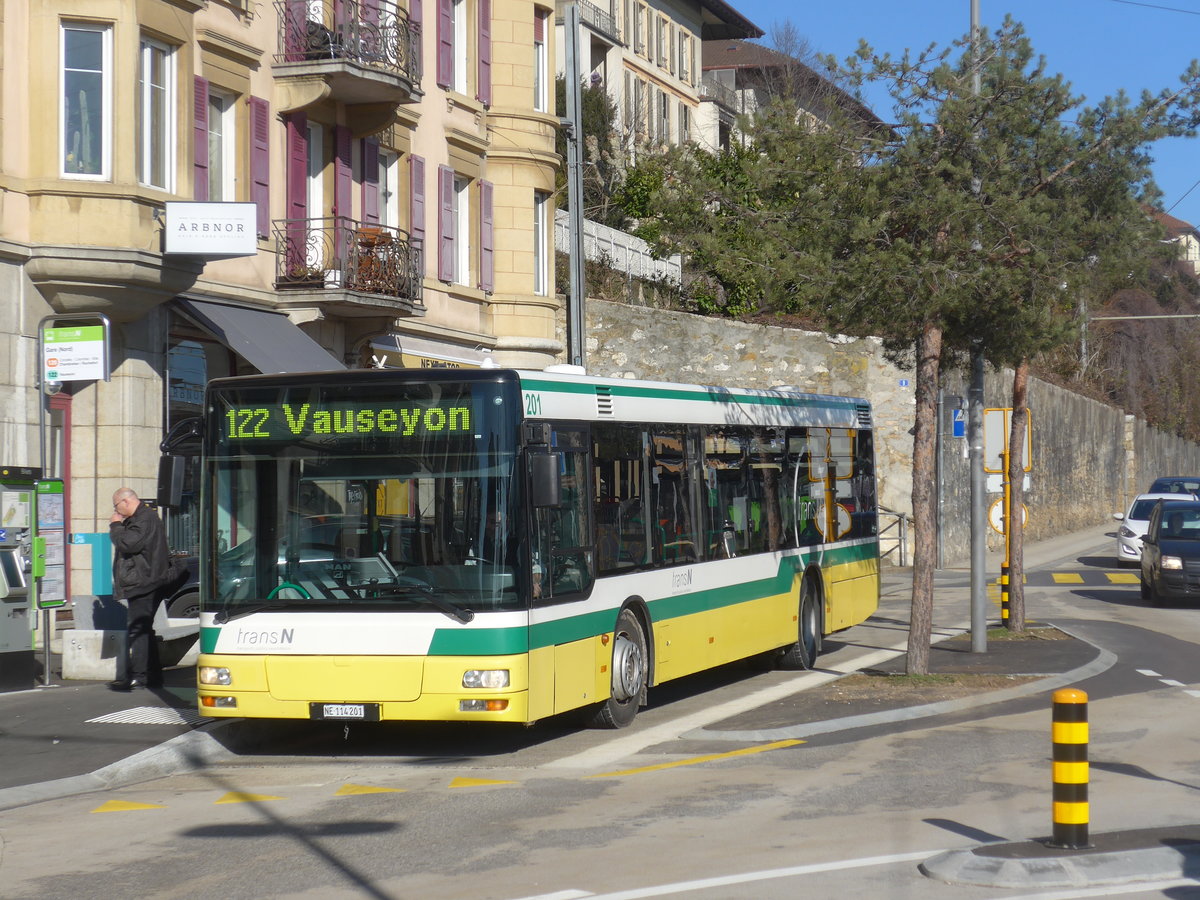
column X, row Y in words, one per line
column 208, row 639
column 702, row 396
column 465, row 642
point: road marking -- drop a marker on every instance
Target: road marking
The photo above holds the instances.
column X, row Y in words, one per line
column 350, row 790
column 696, row 760
column 124, row 806
column 1149, row 673
column 1171, row 682
column 150, row 715
column 476, row 782
column 1109, row 890
column 243, row 797
column 701, row 884
column 1067, row 578
column 604, row 755
column 1123, row 577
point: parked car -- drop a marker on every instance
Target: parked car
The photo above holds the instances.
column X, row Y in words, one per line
column 183, row 596
column 1171, row 552
column 1176, row 484
column 1133, row 526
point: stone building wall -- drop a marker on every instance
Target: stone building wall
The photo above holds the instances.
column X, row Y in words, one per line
column 1088, row 458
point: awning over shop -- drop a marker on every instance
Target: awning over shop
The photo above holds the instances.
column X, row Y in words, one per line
column 404, row 351
column 269, row 341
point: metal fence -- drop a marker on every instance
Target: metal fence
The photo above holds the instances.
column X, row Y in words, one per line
column 618, row 250
column 339, row 253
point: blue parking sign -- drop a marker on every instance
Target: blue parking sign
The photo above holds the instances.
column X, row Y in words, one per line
column 959, row 422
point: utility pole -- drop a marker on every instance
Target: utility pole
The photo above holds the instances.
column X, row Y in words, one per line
column 576, row 306
column 975, row 439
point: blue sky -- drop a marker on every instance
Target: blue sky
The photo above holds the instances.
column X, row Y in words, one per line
column 1100, row 46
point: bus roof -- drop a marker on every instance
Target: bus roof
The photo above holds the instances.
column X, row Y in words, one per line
column 567, row 395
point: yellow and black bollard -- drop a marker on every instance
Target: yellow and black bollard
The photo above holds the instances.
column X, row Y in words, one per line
column 1004, row 595
column 1070, row 737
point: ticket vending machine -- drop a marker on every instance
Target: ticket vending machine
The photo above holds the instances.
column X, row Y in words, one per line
column 18, row 512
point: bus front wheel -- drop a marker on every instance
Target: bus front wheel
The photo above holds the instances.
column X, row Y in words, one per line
column 629, row 674
column 803, row 653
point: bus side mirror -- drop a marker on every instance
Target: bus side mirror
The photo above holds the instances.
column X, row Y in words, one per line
column 170, row 481
column 544, row 479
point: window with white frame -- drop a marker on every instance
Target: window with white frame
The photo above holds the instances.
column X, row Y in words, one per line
column 660, row 40
column 156, row 115
column 221, row 146
column 685, row 123
column 639, row 30
column 684, row 68
column 85, row 141
column 389, row 188
column 462, row 230
column 458, row 10
column 664, row 117
column 541, row 245
column 540, row 72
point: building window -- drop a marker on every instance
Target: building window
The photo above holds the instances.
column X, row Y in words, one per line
column 85, row 140
column 221, row 146
column 660, row 41
column 685, row 123
column 459, row 12
column 462, row 231
column 540, row 74
column 684, row 68
column 156, row 116
column 389, row 188
column 541, row 243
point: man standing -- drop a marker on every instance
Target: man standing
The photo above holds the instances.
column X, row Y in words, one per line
column 140, row 570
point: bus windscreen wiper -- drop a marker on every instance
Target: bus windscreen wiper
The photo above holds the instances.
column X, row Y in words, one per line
column 462, row 614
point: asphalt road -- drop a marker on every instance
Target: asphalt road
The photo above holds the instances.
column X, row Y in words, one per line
column 668, row 807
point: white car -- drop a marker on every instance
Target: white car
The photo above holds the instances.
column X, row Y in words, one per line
column 1133, row 527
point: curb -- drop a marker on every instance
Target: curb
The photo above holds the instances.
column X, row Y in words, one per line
column 1160, row 854
column 190, row 751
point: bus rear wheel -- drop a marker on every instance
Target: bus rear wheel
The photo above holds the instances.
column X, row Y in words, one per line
column 803, row 654
column 629, row 674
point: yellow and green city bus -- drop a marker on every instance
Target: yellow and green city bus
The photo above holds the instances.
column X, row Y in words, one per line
column 493, row 545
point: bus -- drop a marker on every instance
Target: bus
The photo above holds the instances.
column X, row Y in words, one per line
column 494, row 545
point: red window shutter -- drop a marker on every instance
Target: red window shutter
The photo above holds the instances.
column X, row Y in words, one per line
column 484, row 89
column 416, row 208
column 415, row 15
column 445, row 43
column 297, row 190
column 370, row 11
column 370, row 180
column 260, row 161
column 487, row 238
column 445, row 223
column 200, row 139
column 295, row 29
column 539, row 27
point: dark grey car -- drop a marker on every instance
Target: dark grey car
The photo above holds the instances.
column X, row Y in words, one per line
column 1171, row 552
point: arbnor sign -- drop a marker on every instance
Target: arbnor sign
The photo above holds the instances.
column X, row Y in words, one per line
column 211, row 229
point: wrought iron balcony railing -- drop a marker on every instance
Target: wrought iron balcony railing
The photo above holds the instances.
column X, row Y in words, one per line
column 342, row 254
column 715, row 91
column 600, row 19
column 369, row 32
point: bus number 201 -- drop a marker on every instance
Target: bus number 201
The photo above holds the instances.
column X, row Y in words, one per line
column 533, row 404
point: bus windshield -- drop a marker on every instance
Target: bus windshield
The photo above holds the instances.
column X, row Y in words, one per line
column 397, row 496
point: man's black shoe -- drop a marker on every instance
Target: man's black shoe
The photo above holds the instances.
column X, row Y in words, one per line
column 125, row 685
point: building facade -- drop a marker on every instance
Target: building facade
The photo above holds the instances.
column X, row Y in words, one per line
column 647, row 53
column 394, row 162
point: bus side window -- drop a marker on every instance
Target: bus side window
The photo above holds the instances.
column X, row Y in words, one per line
column 673, row 530
column 617, row 469
column 563, row 558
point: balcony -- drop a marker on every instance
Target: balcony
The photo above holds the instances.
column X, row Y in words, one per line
column 365, row 52
column 718, row 93
column 364, row 269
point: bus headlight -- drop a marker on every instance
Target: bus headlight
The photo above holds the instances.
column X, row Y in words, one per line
column 214, row 675
column 485, row 678
column 1172, row 562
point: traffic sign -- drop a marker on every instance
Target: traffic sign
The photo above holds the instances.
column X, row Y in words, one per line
column 996, row 515
column 996, row 429
column 958, row 422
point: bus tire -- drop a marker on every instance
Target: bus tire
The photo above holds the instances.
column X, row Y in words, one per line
column 803, row 654
column 630, row 674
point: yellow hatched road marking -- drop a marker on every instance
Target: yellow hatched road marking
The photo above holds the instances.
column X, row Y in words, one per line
column 1067, row 578
column 695, row 760
column 347, row 790
column 476, row 782
column 243, row 797
column 1123, row 577
column 124, row 806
